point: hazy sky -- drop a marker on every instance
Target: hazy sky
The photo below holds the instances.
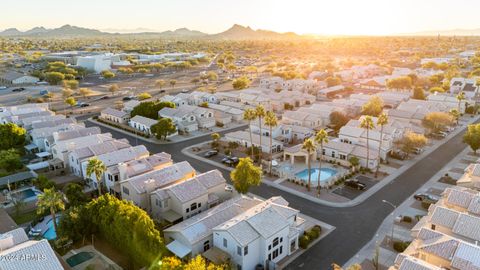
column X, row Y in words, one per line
column 371, row 17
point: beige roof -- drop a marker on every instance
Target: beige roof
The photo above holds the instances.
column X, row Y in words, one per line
column 144, row 120
column 72, row 134
column 142, row 165
column 53, row 123
column 113, row 112
column 123, row 155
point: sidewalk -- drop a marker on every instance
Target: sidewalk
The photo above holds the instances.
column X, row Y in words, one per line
column 180, row 138
column 386, row 256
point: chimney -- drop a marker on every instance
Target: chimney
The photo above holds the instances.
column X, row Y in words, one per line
column 122, row 171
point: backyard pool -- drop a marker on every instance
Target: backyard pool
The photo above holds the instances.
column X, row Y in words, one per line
column 79, row 258
column 325, row 173
column 25, row 195
column 50, row 232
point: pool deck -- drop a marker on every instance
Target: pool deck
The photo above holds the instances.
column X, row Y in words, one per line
column 98, row 260
column 43, row 225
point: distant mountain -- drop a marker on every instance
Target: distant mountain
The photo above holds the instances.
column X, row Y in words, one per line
column 236, row 32
column 239, row 32
column 452, row 32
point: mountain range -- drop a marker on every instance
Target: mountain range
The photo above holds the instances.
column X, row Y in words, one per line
column 236, row 32
column 451, row 32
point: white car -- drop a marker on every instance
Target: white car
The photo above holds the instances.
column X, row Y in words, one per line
column 3, row 87
column 184, row 91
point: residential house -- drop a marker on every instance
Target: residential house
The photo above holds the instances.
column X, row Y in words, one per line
column 53, row 123
column 179, row 100
column 187, row 117
column 358, row 136
column 125, row 170
column 13, row 78
column 111, row 159
column 243, row 138
column 196, row 98
column 19, row 252
column 186, row 199
column 130, row 105
column 338, row 151
column 38, row 136
column 18, row 118
column 116, row 116
column 234, row 113
column 471, row 177
column 64, row 135
column 78, row 156
column 301, row 118
column 138, row 188
column 142, row 124
column 466, row 85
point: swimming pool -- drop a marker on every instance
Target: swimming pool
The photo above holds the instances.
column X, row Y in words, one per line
column 50, row 232
column 79, row 258
column 25, row 195
column 324, row 174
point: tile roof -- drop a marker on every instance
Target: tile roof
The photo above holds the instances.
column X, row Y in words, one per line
column 123, row 155
column 72, row 134
column 144, row 120
column 114, row 112
column 53, row 123
column 444, row 217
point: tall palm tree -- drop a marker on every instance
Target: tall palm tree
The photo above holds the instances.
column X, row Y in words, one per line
column 460, row 97
column 271, row 121
column 97, row 167
column 309, row 146
column 260, row 113
column 382, row 120
column 367, row 123
column 50, row 200
column 250, row 115
column 320, row 138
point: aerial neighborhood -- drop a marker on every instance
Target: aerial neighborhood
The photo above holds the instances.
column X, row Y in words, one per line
column 245, row 149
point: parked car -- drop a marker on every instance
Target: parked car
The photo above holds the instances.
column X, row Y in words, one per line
column 105, row 97
column 184, row 91
column 210, row 153
column 438, row 135
column 398, row 154
column 417, row 150
column 423, row 197
column 84, row 105
column 126, row 98
column 230, row 161
column 3, row 87
column 18, row 89
column 44, row 92
column 355, row 184
column 229, row 188
column 162, row 91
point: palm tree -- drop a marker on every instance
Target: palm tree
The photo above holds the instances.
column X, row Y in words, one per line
column 97, row 167
column 260, row 113
column 382, row 120
column 250, row 115
column 309, row 146
column 320, row 139
column 50, row 200
column 367, row 123
column 271, row 121
column 460, row 97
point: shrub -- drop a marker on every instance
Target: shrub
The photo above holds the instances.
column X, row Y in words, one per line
column 400, row 246
column 303, row 241
column 407, row 219
column 313, row 234
column 426, row 205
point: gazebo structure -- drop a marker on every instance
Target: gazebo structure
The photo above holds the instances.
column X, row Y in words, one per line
column 297, row 151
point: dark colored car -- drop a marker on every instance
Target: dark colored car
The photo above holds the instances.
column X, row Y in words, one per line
column 84, row 105
column 210, row 153
column 105, row 97
column 400, row 155
column 18, row 89
column 126, row 98
column 423, row 197
column 230, row 161
column 162, row 91
column 355, row 184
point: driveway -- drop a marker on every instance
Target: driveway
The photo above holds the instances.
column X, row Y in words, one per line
column 355, row 226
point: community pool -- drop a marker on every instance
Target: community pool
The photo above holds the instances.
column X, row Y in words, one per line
column 325, row 173
column 79, row 258
column 50, row 232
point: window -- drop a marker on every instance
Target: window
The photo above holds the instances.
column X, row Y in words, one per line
column 281, row 239
column 165, row 203
column 281, row 249
column 343, row 157
column 116, row 178
column 187, row 210
column 239, row 250
column 269, row 257
column 206, row 245
column 157, row 202
column 275, row 254
column 193, row 206
column 126, row 191
column 239, row 267
column 199, row 205
column 275, row 242
column 269, row 247
column 245, row 250
column 225, row 244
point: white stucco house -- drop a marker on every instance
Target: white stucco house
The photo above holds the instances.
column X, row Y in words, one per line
column 142, row 124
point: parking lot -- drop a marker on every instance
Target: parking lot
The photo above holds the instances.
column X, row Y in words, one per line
column 351, row 193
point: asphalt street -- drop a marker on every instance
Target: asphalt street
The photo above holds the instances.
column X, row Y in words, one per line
column 355, row 226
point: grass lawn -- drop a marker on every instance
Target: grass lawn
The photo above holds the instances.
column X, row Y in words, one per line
column 25, row 217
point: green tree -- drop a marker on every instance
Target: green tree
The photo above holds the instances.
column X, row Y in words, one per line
column 113, row 88
column 246, row 175
column 250, row 115
column 160, row 83
column 436, row 121
column 460, row 97
column 401, row 83
column 10, row 160
column 271, row 121
column 241, row 83
column 11, row 135
column 455, row 114
column 412, row 140
column 42, row 183
column 418, row 93
column 97, row 167
column 72, row 84
column 367, row 124
column 144, row 96
column 70, row 101
column 172, row 83
column 150, row 109
column 354, row 161
column 84, row 92
column 164, row 128
column 309, row 146
column 338, row 120
column 215, row 138
column 321, row 138
column 54, row 77
column 75, row 195
column 51, row 201
column 373, row 107
column 107, row 74
column 260, row 113
column 472, row 137
column 382, row 120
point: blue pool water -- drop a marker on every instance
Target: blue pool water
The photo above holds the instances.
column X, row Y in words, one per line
column 79, row 258
column 324, row 174
column 50, row 232
column 24, row 194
